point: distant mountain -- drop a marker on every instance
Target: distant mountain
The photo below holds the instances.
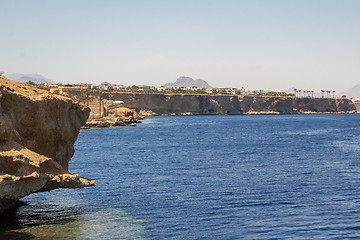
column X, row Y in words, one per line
column 188, row 82
column 353, row 92
column 290, row 90
column 36, row 78
column 106, row 83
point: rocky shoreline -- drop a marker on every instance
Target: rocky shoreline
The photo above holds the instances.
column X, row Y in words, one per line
column 37, row 135
column 139, row 105
column 38, row 129
column 111, row 122
column 116, row 116
column 201, row 104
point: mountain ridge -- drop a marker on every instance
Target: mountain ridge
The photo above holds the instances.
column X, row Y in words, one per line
column 34, row 77
column 188, row 82
column 352, row 92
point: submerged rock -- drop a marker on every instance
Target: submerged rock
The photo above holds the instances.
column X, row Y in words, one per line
column 37, row 135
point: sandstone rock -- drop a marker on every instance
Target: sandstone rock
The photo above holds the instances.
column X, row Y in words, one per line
column 37, row 135
column 117, row 115
column 177, row 104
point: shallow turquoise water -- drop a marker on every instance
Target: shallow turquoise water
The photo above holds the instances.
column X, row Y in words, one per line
column 211, row 177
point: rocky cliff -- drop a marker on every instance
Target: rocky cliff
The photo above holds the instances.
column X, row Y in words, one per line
column 230, row 104
column 37, row 135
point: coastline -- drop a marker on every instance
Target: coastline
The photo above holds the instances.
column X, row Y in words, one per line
column 148, row 104
column 38, row 132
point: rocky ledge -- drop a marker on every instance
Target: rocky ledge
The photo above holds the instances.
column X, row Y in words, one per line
column 116, row 116
column 37, row 135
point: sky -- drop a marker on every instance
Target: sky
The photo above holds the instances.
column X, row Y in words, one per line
column 256, row 44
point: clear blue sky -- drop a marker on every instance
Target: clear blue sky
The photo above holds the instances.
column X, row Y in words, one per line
column 267, row 44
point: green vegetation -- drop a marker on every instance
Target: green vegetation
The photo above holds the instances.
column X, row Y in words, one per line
column 272, row 94
column 30, row 83
column 82, row 99
column 188, row 91
column 134, row 88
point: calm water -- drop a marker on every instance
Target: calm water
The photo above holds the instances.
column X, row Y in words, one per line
column 209, row 177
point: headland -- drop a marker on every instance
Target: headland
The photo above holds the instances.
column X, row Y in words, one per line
column 37, row 135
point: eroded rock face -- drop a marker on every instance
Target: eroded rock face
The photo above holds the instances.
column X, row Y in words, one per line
column 37, row 135
column 229, row 104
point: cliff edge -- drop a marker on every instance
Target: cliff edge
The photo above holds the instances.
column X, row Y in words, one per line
column 197, row 104
column 37, row 135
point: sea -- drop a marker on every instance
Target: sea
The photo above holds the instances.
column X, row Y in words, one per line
column 207, row 177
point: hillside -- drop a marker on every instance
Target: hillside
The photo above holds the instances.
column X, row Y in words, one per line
column 35, row 77
column 353, row 92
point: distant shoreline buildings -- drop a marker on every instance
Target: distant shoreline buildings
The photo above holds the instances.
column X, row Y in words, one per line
column 183, row 85
column 78, row 89
column 98, row 97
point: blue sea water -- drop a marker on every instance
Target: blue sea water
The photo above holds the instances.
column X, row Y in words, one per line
column 211, row 177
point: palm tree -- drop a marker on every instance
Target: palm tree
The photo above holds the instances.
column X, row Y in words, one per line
column 333, row 94
column 88, row 92
column 99, row 94
column 328, row 93
column 322, row 93
column 312, row 93
column 295, row 90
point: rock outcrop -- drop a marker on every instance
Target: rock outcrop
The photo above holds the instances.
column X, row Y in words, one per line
column 37, row 135
column 113, row 114
column 163, row 104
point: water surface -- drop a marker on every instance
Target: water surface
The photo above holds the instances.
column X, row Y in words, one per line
column 209, row 177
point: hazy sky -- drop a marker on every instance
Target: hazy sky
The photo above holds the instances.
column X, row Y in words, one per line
column 269, row 44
